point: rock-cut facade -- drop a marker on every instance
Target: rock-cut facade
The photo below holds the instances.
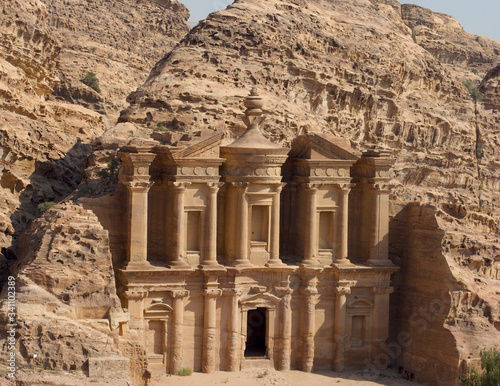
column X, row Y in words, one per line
column 232, row 255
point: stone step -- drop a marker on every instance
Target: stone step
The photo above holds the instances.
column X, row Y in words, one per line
column 256, row 363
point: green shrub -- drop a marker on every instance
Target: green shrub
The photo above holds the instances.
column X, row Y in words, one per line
column 93, row 50
column 490, row 366
column 475, row 71
column 474, row 92
column 109, row 170
column 185, row 372
column 161, row 127
column 43, row 207
column 92, row 81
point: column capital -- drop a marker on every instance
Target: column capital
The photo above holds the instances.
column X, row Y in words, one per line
column 382, row 290
column 178, row 185
column 345, row 187
column 213, row 187
column 379, row 186
column 311, row 186
column 241, row 186
column 212, row 293
column 138, row 185
column 179, row 294
column 136, row 294
column 232, row 291
column 277, row 188
column 283, row 291
column 342, row 290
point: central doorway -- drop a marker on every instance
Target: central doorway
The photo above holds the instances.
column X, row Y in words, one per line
column 256, row 334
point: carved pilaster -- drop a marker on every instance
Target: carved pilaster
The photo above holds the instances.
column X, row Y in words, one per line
column 343, row 225
column 340, row 326
column 310, row 297
column 210, row 255
column 311, row 236
column 242, row 225
column 177, row 329
column 234, row 347
column 275, row 228
column 178, row 257
column 210, row 324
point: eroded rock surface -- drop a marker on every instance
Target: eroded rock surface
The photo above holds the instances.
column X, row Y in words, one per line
column 42, row 143
column 68, row 310
column 120, row 41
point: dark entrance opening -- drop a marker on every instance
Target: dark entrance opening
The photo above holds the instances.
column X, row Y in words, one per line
column 256, row 333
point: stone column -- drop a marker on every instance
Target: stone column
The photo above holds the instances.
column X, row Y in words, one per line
column 178, row 260
column 233, row 347
column 210, row 325
column 380, row 317
column 210, row 235
column 134, row 174
column 339, row 329
column 137, row 240
column 379, row 235
column 311, row 236
column 309, row 294
column 275, row 229
column 286, row 330
column 242, row 231
column 177, row 329
column 343, row 226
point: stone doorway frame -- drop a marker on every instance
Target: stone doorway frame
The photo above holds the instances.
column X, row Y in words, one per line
column 270, row 303
column 158, row 312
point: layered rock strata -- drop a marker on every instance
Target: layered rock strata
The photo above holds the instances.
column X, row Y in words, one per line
column 42, row 143
column 68, row 314
column 120, row 41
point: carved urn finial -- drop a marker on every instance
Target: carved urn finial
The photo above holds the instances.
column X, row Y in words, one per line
column 254, row 104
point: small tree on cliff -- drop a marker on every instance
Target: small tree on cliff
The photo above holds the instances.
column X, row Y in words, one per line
column 92, row 81
column 490, row 366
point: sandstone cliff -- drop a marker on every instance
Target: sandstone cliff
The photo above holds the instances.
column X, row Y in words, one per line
column 68, row 313
column 120, row 41
column 42, row 143
column 377, row 73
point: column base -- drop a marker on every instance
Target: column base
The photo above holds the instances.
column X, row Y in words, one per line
column 310, row 263
column 178, row 264
column 380, row 263
column 137, row 265
column 211, row 265
column 342, row 262
column 242, row 263
column 275, row 263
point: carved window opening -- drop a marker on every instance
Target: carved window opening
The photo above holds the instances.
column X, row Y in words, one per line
column 256, row 333
column 358, row 331
column 193, row 231
column 155, row 337
column 260, row 226
column 326, row 236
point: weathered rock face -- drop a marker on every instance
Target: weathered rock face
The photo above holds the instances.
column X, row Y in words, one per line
column 445, row 38
column 68, row 310
column 42, row 143
column 119, row 41
column 446, row 302
column 490, row 87
column 378, row 73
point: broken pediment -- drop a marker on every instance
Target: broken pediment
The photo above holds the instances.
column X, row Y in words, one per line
column 206, row 147
column 313, row 146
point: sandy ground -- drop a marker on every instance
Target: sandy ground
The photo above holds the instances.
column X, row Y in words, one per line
column 251, row 377
column 248, row 377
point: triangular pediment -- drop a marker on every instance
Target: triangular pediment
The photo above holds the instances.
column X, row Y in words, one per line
column 260, row 300
column 206, row 147
column 315, row 146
